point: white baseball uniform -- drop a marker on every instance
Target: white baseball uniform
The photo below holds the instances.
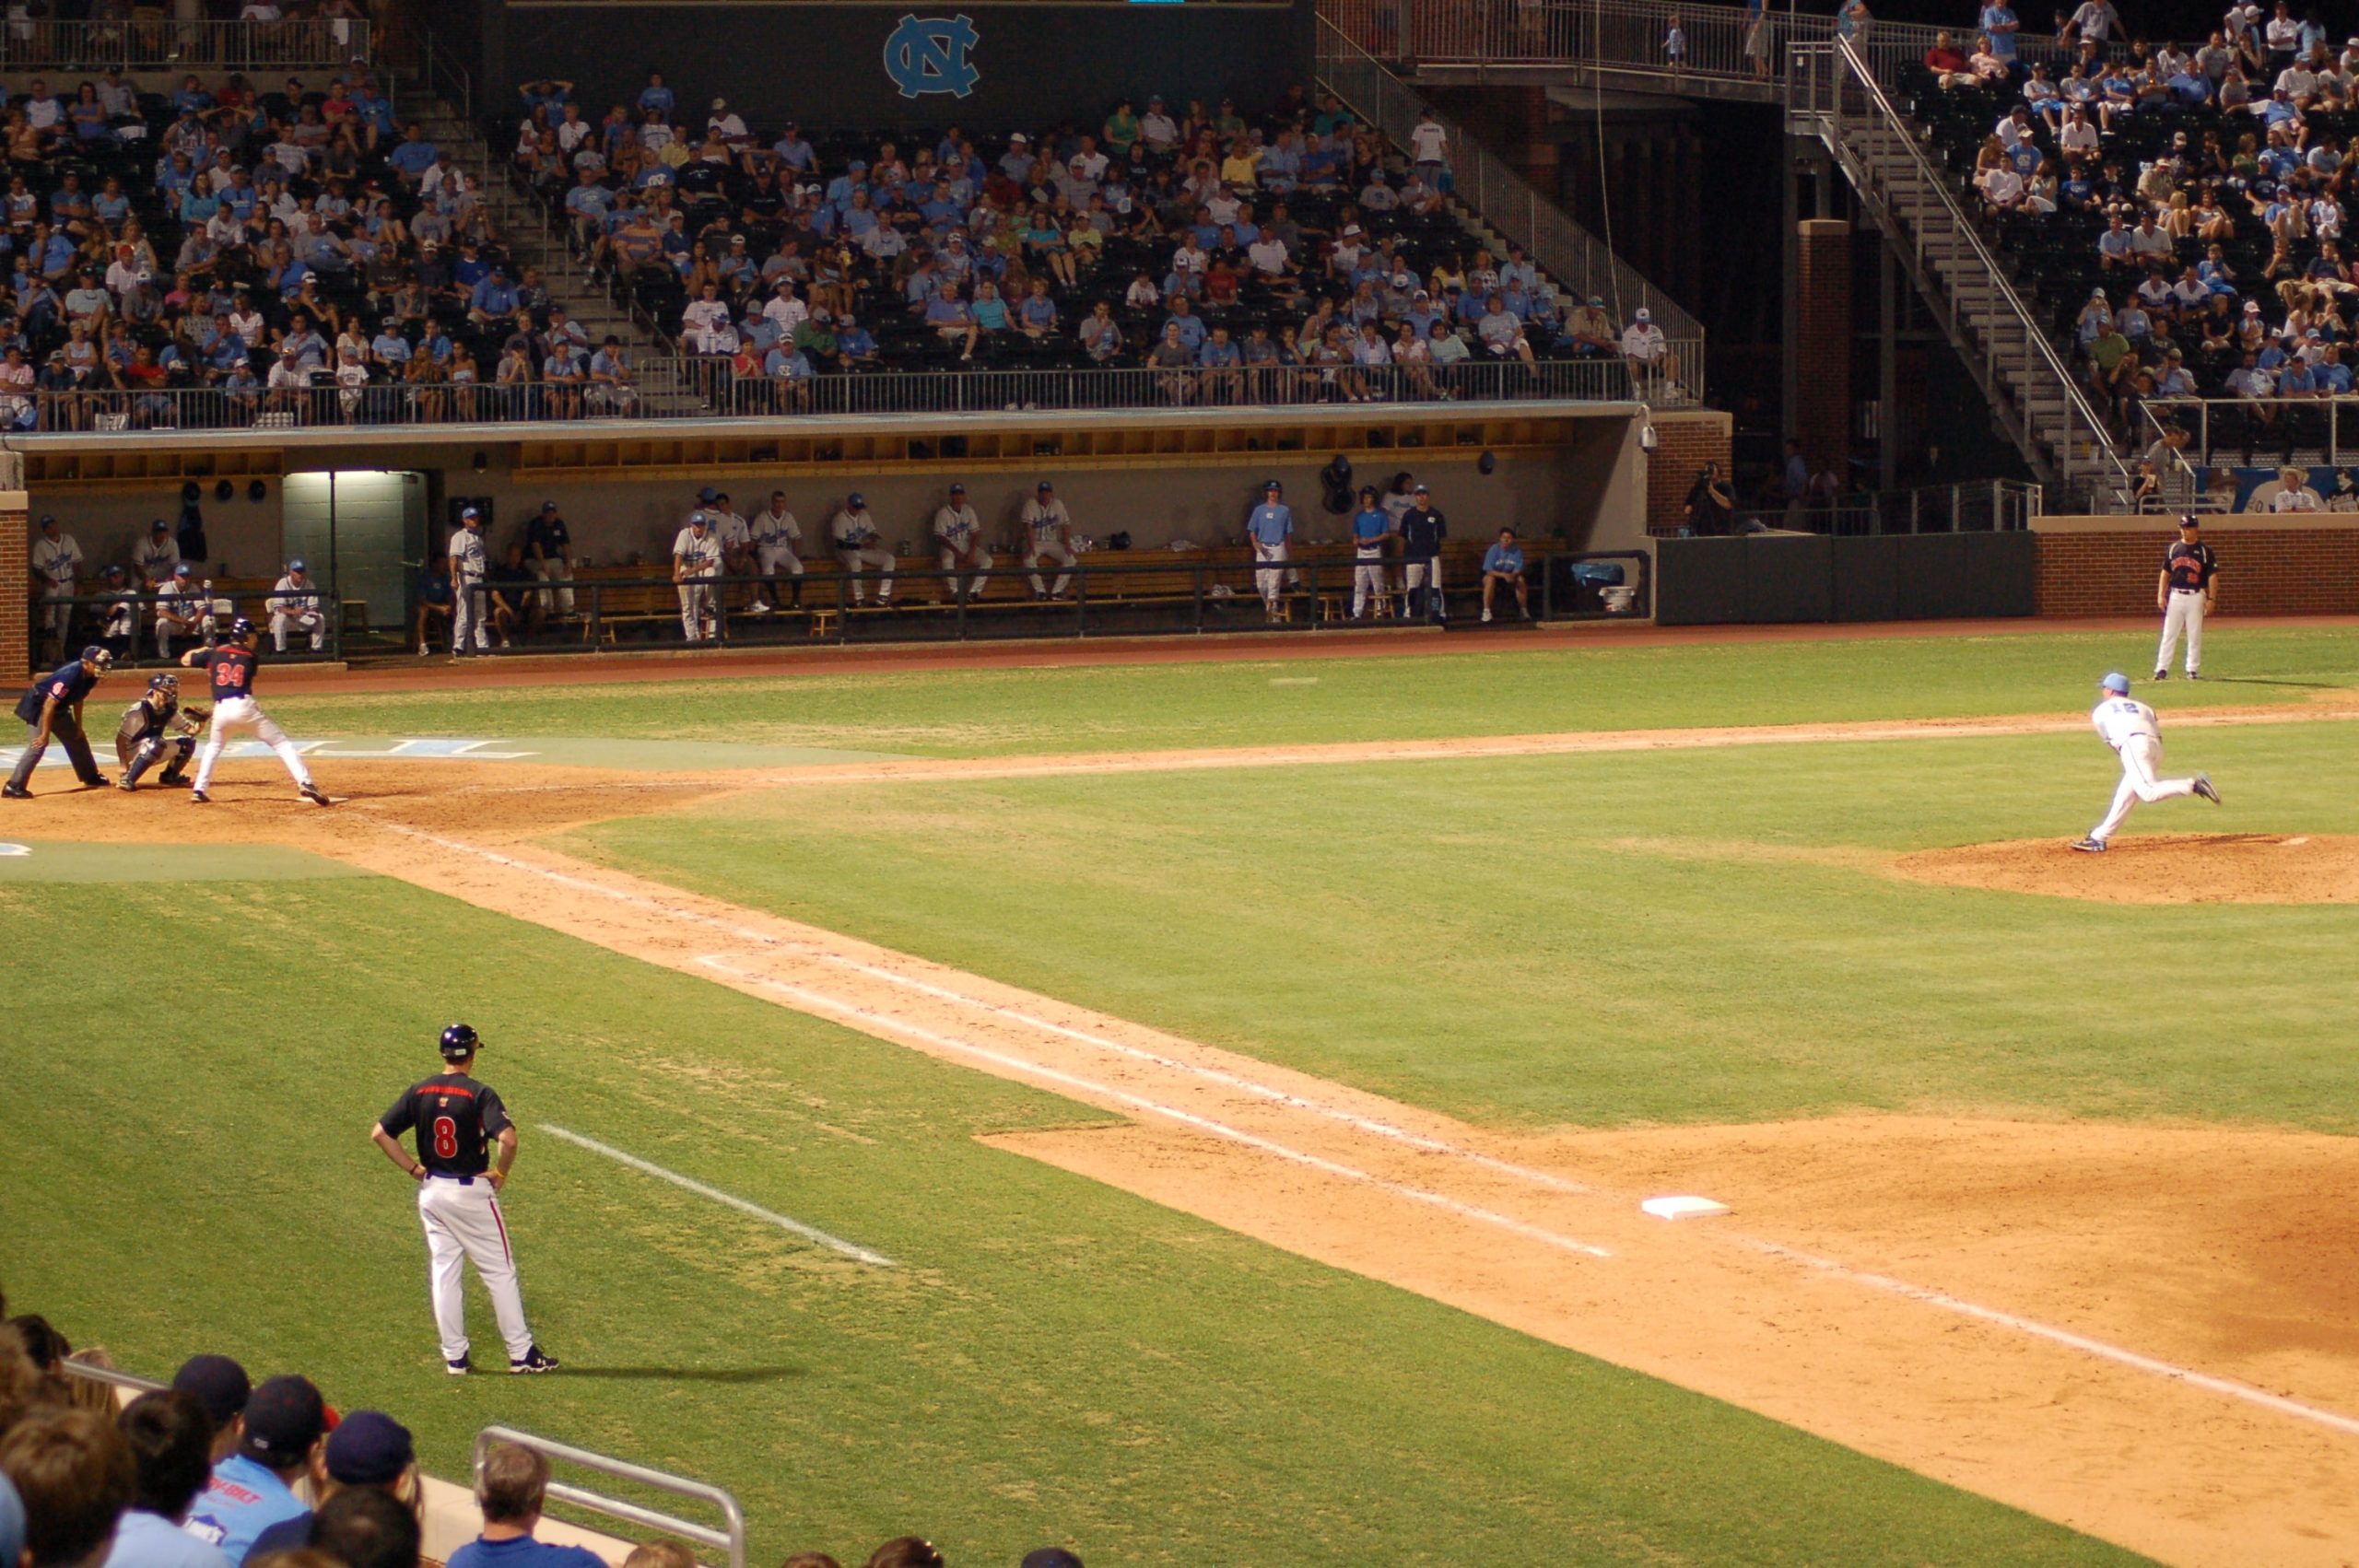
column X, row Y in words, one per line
column 857, row 547
column 181, row 601
column 1048, row 529
column 457, row 1118
column 2130, row 727
column 466, row 591
column 776, row 535
column 696, row 559
column 294, row 606
column 56, row 564
column 957, row 530
column 155, row 560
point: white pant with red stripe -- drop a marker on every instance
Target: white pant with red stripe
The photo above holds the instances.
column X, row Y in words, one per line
column 462, row 1224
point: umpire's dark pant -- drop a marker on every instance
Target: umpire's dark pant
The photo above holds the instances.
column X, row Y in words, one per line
column 66, row 730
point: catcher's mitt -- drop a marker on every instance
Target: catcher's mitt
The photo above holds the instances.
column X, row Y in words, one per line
column 196, row 713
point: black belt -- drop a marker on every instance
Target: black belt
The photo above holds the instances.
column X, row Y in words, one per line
column 2187, row 590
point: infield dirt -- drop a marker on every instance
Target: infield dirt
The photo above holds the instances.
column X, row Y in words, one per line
column 2226, row 1252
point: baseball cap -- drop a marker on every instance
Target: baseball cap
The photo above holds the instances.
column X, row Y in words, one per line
column 1272, row 484
column 97, row 653
column 469, row 514
column 548, row 506
column 958, row 490
column 1645, row 314
column 182, row 570
column 157, row 526
column 1044, row 484
column 368, row 1448
column 2117, row 683
column 855, row 499
column 285, row 1417
column 1050, row 1557
column 218, row 1383
column 294, row 566
column 1421, row 490
column 707, row 494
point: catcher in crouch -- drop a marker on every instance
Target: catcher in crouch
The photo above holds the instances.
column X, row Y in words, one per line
column 158, row 729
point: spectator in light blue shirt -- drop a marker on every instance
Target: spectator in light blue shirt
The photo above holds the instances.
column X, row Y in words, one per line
column 1999, row 22
column 1503, row 562
column 415, row 155
column 656, row 96
column 1191, row 326
column 171, row 1436
column 511, row 1489
column 492, row 300
column 251, row 1490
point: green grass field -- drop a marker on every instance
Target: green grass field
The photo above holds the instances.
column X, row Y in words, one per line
column 1677, row 937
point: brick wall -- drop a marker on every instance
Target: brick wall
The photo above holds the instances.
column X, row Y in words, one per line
column 2263, row 572
column 16, row 601
column 1823, row 343
column 1684, row 443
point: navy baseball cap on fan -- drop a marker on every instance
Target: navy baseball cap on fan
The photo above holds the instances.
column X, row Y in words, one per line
column 2117, row 683
column 368, row 1448
column 285, row 1417
column 1050, row 1557
column 220, row 1384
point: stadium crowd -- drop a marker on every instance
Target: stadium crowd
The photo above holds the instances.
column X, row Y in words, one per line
column 216, row 1472
column 293, row 250
column 1288, row 254
column 2176, row 205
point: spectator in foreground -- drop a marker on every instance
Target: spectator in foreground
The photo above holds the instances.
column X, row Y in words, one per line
column 901, row 1551
column 368, row 1449
column 510, row 1491
column 74, row 1476
column 669, row 1554
column 171, row 1436
column 220, row 1386
column 367, row 1527
column 254, row 1489
column 800, row 1559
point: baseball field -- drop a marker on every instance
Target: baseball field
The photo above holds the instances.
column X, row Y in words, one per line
column 1198, row 1112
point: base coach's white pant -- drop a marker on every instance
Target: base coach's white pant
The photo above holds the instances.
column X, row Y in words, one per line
column 2141, row 756
column 1270, row 580
column 462, row 1224
column 243, row 713
column 2182, row 613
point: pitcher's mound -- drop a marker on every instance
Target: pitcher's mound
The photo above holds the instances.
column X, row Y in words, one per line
column 2178, row 868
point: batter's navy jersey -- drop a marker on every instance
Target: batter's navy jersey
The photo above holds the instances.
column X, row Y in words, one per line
column 456, row 1119
column 232, row 670
column 69, row 684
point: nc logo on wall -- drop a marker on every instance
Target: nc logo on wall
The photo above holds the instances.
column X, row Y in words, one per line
column 927, row 54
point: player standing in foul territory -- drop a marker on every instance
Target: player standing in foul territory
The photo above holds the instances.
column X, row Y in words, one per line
column 2186, row 593
column 232, row 666
column 2130, row 728
column 458, row 1119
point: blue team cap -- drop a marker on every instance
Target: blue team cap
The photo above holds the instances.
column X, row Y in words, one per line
column 182, row 570
column 854, row 499
column 469, row 514
column 707, row 494
column 294, row 566
column 2117, row 683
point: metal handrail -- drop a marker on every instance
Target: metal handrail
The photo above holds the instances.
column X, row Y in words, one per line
column 2002, row 506
column 730, row 1538
column 159, row 43
column 1559, row 245
column 109, row 1375
column 1856, row 68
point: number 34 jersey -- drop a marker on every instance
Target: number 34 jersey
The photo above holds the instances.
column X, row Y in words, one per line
column 456, row 1118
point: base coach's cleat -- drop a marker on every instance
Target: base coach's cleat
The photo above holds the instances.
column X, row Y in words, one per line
column 534, row 1360
column 459, row 1367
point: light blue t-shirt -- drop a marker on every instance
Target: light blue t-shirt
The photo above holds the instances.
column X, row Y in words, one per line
column 243, row 1501
column 1503, row 558
column 1367, row 527
column 1271, row 523
column 151, row 1541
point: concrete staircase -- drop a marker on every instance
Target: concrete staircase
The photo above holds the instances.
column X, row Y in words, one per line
column 2032, row 391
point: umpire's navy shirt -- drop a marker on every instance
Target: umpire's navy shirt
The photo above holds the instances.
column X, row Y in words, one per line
column 69, row 684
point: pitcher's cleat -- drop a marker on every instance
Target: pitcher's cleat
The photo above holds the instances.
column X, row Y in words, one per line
column 2203, row 787
column 2089, row 846
column 311, row 792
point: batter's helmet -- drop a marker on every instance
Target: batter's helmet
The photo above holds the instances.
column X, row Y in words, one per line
column 2117, row 683
column 241, row 628
column 459, row 1042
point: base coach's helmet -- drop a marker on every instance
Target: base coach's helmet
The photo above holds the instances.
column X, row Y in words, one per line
column 459, row 1042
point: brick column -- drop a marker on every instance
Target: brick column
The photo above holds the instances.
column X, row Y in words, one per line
column 1684, row 443
column 16, row 600
column 1822, row 349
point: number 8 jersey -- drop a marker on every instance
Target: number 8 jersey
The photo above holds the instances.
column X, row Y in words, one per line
column 456, row 1118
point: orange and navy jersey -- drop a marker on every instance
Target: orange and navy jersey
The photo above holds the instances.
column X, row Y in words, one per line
column 2190, row 566
column 232, row 670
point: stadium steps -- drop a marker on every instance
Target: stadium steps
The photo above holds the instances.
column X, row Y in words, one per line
column 1920, row 209
column 531, row 241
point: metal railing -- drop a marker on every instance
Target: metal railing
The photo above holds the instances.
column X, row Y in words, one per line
column 110, row 1376
column 709, row 389
column 2260, row 432
column 1561, row 248
column 730, row 1538
column 1986, row 506
column 1837, row 93
column 1214, row 591
column 1723, row 49
column 155, row 43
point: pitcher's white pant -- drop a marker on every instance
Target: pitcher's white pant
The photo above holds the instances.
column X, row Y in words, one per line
column 1367, row 577
column 1270, row 580
column 2183, row 612
column 462, row 1226
column 467, row 617
column 696, row 602
column 242, row 713
column 2142, row 755
column 1049, row 549
column 872, row 560
column 310, row 621
column 974, row 583
column 560, row 573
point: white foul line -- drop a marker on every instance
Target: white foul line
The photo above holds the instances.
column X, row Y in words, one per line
column 808, row 1232
column 816, row 1001
column 2030, row 1325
